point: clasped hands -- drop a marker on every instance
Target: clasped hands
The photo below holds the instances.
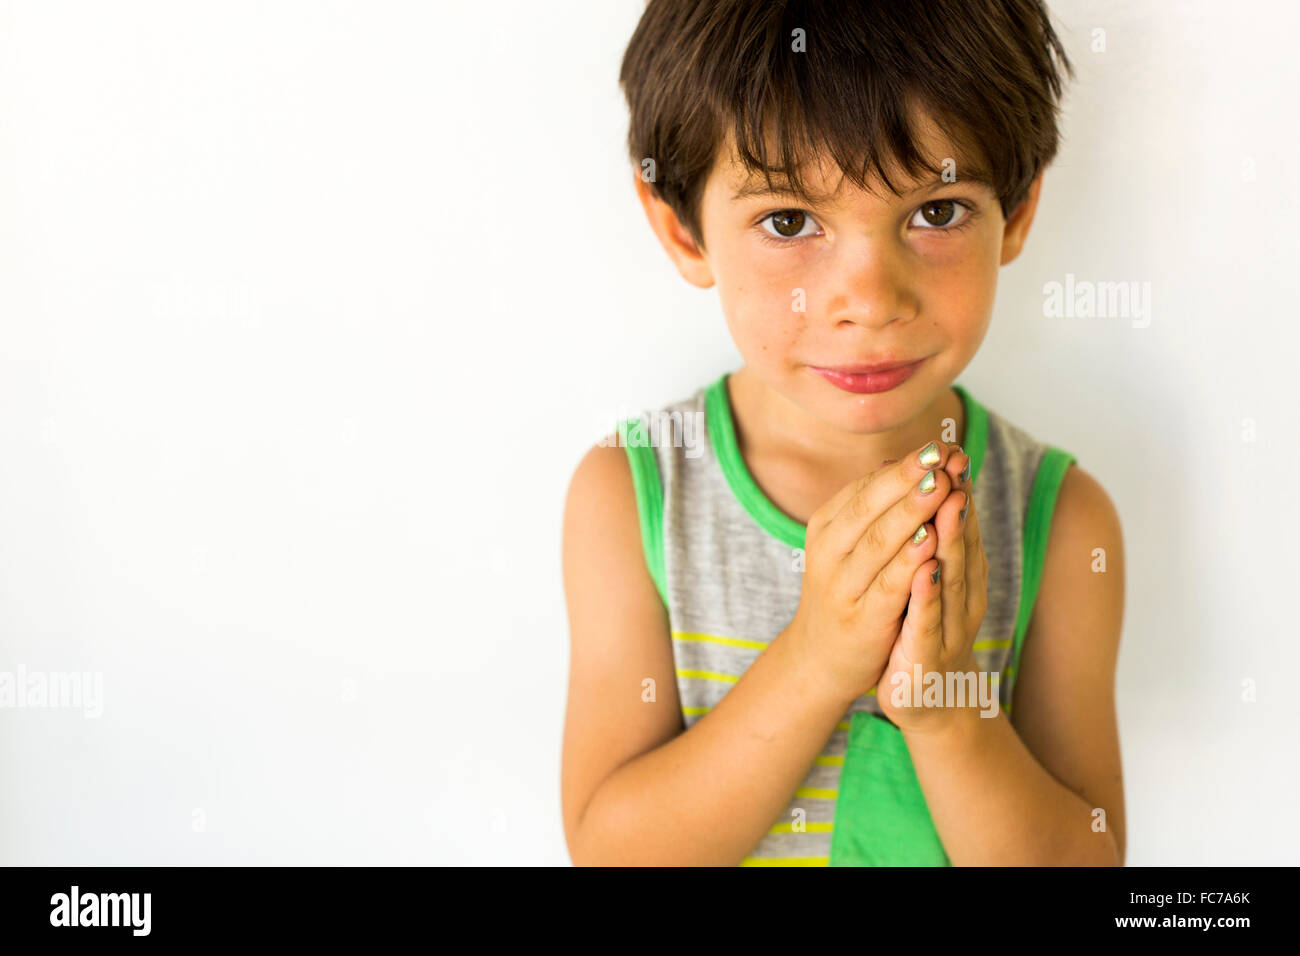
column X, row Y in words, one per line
column 896, row 577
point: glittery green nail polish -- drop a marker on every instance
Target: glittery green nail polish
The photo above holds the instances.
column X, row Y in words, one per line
column 934, row 578
column 927, row 483
column 929, row 456
column 965, row 472
column 965, row 508
column 921, row 535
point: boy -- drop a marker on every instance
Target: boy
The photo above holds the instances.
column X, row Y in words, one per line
column 769, row 640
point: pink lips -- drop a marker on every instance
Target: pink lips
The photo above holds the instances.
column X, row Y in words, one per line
column 867, row 379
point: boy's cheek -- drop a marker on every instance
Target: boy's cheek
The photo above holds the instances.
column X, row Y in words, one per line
column 767, row 334
column 766, row 316
column 966, row 286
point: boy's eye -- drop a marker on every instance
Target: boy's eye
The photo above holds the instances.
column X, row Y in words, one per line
column 789, row 224
column 940, row 214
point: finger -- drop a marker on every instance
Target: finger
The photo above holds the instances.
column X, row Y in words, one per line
column 886, row 593
column 882, row 538
column 922, row 633
column 951, row 555
column 958, row 466
column 876, row 492
column 831, row 507
column 827, row 512
column 977, row 564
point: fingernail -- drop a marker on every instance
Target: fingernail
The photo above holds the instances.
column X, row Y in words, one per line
column 927, row 483
column 965, row 508
column 965, row 472
column 957, row 448
column 921, row 535
column 929, row 456
column 934, row 578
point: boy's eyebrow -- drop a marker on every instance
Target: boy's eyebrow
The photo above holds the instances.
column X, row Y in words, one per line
column 972, row 175
column 781, row 187
column 757, row 186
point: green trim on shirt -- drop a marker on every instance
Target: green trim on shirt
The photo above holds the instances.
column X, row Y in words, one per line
column 1038, row 528
column 649, row 499
column 722, row 436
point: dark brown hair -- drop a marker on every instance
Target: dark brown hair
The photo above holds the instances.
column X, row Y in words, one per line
column 698, row 72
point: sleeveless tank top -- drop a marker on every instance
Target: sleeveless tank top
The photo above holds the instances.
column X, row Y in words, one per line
column 728, row 565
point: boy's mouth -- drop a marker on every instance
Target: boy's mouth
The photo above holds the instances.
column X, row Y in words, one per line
column 864, row 379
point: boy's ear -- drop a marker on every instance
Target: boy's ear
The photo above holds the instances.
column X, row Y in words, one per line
column 689, row 258
column 1017, row 225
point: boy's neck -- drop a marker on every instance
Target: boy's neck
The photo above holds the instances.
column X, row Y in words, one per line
column 770, row 425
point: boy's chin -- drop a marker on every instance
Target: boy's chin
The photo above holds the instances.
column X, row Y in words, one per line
column 870, row 413
column 850, row 414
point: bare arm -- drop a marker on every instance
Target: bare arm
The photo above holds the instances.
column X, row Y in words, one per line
column 1023, row 790
column 635, row 788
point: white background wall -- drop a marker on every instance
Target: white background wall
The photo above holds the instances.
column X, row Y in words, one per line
column 308, row 310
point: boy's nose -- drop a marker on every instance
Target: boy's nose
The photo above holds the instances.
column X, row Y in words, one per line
column 872, row 291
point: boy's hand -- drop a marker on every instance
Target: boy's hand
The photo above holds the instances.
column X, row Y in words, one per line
column 942, row 617
column 860, row 561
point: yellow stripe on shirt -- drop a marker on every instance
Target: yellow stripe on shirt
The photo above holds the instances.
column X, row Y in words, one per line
column 786, row 861
column 715, row 639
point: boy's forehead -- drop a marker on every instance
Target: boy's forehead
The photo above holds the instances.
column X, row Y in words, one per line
column 821, row 176
column 824, row 179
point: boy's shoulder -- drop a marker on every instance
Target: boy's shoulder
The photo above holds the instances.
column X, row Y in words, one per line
column 1010, row 454
column 692, row 398
column 678, row 428
column 607, row 469
column 1083, row 510
column 602, row 525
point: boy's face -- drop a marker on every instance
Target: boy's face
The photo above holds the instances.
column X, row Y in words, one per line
column 858, row 278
